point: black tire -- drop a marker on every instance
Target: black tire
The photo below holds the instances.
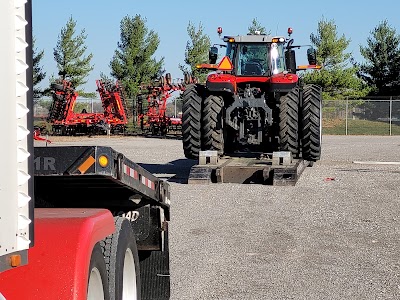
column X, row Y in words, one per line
column 118, row 249
column 191, row 121
column 212, row 124
column 153, row 129
column 289, row 122
column 97, row 279
column 168, row 78
column 163, row 130
column 57, row 86
column 311, row 122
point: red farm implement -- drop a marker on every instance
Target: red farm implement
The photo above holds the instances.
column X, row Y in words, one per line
column 67, row 122
column 113, row 103
column 152, row 115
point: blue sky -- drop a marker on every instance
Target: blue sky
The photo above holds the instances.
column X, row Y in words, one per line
column 101, row 19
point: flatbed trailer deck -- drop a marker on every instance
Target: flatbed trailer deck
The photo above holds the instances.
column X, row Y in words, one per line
column 75, row 172
column 277, row 168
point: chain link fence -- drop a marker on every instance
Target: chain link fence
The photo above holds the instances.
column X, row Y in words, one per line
column 339, row 117
column 361, row 117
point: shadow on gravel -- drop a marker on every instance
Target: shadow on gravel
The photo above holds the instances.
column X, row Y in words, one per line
column 172, row 136
column 174, row 171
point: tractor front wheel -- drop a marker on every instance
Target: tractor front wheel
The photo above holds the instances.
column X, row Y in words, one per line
column 212, row 124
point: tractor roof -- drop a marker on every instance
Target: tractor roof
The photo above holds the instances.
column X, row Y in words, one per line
column 253, row 38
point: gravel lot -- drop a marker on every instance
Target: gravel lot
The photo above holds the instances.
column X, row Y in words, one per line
column 322, row 239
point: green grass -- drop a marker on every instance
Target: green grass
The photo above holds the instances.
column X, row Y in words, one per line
column 358, row 127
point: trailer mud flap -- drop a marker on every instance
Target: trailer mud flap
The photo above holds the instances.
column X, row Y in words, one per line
column 149, row 228
column 154, row 273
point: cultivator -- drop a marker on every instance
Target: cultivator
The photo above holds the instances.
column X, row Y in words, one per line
column 67, row 122
column 114, row 104
column 152, row 115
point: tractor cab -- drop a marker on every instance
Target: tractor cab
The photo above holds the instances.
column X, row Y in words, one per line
column 257, row 55
column 254, row 55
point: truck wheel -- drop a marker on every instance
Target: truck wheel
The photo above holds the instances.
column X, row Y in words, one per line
column 191, row 121
column 122, row 262
column 97, row 282
column 289, row 122
column 212, row 124
column 311, row 122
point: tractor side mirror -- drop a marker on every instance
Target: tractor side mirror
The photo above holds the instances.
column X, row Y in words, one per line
column 213, row 55
column 312, row 56
column 290, row 58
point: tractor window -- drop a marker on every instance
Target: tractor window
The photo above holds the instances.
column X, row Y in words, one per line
column 277, row 58
column 231, row 51
column 253, row 59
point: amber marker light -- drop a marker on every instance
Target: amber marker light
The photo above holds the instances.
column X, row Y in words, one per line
column 15, row 260
column 103, row 161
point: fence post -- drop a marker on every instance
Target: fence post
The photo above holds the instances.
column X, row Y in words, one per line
column 390, row 115
column 347, row 110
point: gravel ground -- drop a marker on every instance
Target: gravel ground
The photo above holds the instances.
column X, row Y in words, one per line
column 322, row 239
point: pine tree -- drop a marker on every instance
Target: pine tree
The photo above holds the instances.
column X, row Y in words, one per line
column 133, row 62
column 196, row 52
column 38, row 73
column 70, row 57
column 338, row 78
column 382, row 56
column 256, row 26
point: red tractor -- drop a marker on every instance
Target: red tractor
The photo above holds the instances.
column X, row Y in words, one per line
column 253, row 101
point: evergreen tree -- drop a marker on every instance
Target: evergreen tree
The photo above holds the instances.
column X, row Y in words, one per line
column 133, row 62
column 38, row 73
column 70, row 57
column 196, row 52
column 338, row 78
column 382, row 56
column 256, row 26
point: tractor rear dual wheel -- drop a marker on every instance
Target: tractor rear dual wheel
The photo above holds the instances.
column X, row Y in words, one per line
column 311, row 122
column 212, row 124
column 289, row 122
column 191, row 120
